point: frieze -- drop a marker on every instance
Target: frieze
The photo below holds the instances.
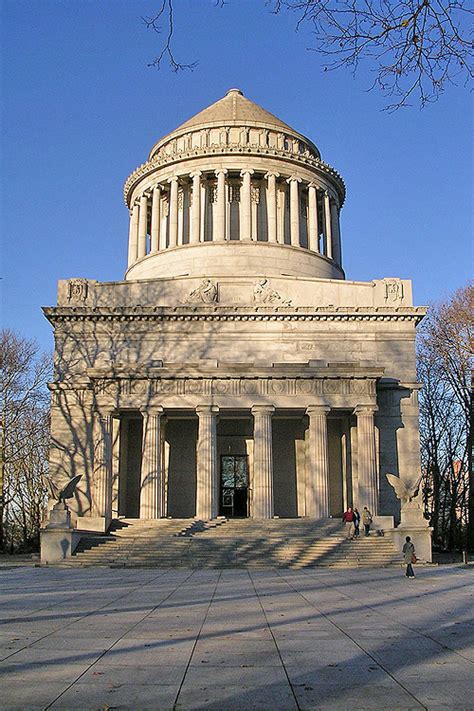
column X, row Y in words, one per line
column 233, row 386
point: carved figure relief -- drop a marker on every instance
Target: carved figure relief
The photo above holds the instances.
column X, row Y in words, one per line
column 264, row 294
column 206, row 293
column 77, row 290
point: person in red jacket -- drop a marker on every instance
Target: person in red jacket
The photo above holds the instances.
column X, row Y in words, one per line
column 348, row 519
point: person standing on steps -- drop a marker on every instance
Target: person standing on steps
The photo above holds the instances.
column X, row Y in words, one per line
column 366, row 520
column 409, row 557
column 356, row 523
column 348, row 519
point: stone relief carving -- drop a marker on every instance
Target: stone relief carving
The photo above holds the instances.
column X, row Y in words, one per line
column 264, row 294
column 77, row 290
column 206, row 293
column 393, row 290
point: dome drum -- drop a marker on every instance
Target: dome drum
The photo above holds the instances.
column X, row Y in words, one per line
column 232, row 206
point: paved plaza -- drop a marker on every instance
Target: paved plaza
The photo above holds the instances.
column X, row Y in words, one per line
column 101, row 638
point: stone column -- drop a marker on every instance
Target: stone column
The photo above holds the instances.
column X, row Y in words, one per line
column 195, row 226
column 313, row 227
column 271, row 206
column 245, row 206
column 262, row 462
column 155, row 219
column 368, row 494
column 219, row 222
column 173, row 212
column 142, row 226
column 317, row 475
column 327, row 224
column 207, row 489
column 150, row 480
column 102, row 484
column 336, row 237
column 294, row 211
column 133, row 236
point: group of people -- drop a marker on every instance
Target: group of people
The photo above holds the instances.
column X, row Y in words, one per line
column 352, row 519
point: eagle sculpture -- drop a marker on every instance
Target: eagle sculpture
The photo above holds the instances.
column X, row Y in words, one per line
column 65, row 492
column 405, row 492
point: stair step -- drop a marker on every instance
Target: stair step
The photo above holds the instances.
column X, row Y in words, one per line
column 224, row 543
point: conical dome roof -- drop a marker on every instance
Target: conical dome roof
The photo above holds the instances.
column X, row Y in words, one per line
column 234, row 108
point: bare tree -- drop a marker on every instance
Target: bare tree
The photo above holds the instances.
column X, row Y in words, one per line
column 445, row 343
column 413, row 47
column 24, row 440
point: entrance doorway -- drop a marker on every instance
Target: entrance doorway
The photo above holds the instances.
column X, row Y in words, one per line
column 234, row 485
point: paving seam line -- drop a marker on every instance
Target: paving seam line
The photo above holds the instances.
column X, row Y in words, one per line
column 197, row 637
column 402, row 624
column 327, row 617
column 274, row 640
column 69, row 624
column 125, row 633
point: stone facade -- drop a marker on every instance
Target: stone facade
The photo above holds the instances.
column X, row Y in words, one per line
column 235, row 371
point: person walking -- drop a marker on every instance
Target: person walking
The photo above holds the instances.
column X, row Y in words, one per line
column 356, row 523
column 348, row 519
column 366, row 520
column 409, row 557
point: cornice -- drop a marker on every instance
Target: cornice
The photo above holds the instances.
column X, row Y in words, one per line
column 61, row 314
column 150, row 166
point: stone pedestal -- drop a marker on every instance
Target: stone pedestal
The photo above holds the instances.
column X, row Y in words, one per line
column 414, row 524
column 58, row 538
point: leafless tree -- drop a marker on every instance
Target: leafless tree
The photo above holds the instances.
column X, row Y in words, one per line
column 445, row 343
column 24, row 440
column 415, row 48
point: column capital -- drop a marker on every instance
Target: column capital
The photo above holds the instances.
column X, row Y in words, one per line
column 157, row 186
column 195, row 174
column 312, row 184
column 262, row 410
column 293, row 178
column 173, row 179
column 365, row 409
column 320, row 409
column 207, row 410
column 221, row 171
column 152, row 410
column 248, row 171
column 271, row 174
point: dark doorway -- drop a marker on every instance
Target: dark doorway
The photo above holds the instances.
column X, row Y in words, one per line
column 234, row 485
column 131, row 432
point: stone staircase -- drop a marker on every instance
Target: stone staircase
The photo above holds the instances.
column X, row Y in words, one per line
column 231, row 543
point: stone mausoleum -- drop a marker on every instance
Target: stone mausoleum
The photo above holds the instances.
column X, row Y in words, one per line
column 235, row 371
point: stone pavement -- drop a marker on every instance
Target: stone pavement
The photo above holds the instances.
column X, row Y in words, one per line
column 101, row 638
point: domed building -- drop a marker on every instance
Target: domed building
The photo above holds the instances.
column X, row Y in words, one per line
column 234, row 371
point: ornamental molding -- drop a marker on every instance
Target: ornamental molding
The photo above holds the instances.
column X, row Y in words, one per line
column 62, row 314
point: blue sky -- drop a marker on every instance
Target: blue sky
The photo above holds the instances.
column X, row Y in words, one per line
column 81, row 110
